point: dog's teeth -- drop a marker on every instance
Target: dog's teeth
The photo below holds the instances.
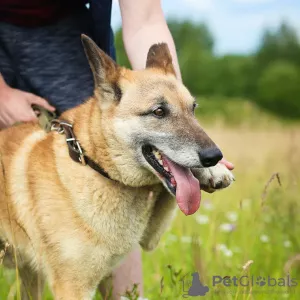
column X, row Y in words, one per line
column 160, row 161
column 166, row 168
column 156, row 154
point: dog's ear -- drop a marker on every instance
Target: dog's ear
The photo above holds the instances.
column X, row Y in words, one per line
column 105, row 71
column 159, row 57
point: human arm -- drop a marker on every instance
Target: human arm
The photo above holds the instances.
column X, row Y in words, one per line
column 144, row 24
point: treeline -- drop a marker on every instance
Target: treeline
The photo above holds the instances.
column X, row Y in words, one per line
column 270, row 76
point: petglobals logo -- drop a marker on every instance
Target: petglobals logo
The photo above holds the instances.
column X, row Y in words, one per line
column 192, row 286
column 258, row 281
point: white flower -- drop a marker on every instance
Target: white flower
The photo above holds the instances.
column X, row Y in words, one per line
column 232, row 216
column 247, row 264
column 186, row 239
column 207, row 205
column 223, row 248
column 287, row 244
column 227, row 227
column 202, row 219
column 228, row 253
column 264, row 238
column 172, row 238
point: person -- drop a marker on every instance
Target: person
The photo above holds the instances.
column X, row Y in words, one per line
column 42, row 62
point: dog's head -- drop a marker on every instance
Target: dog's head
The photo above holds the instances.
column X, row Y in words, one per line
column 149, row 123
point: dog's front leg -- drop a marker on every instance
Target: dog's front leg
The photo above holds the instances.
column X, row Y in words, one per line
column 162, row 215
column 63, row 290
column 214, row 178
column 73, row 284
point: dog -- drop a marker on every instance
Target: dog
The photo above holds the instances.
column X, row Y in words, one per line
column 70, row 222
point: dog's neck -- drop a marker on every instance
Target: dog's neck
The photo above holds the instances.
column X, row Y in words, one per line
column 87, row 126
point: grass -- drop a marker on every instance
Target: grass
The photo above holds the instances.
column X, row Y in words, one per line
column 250, row 229
column 250, row 221
column 233, row 112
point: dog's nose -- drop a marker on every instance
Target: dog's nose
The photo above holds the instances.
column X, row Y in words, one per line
column 210, row 157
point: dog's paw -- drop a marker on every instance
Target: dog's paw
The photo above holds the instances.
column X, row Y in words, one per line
column 214, row 178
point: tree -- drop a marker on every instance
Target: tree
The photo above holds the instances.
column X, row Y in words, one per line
column 279, row 89
column 281, row 44
column 194, row 44
column 234, row 76
column 187, row 34
column 122, row 58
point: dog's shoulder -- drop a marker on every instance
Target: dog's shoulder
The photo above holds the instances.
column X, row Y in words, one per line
column 13, row 137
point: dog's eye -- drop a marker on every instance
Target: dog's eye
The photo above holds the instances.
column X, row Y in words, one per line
column 159, row 112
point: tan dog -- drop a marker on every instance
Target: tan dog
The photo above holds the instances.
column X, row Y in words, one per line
column 70, row 225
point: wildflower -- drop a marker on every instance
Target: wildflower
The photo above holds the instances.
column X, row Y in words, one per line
column 247, row 264
column 221, row 247
column 232, row 216
column 227, row 227
column 202, row 219
column 264, row 238
column 172, row 238
column 224, row 249
column 228, row 253
column 207, row 204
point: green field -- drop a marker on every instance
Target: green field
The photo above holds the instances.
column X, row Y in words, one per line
column 255, row 221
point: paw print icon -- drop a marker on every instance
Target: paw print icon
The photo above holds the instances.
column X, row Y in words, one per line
column 261, row 281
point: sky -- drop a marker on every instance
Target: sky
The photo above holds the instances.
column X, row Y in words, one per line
column 236, row 25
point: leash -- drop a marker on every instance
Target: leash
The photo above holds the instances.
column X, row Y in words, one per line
column 44, row 116
column 49, row 122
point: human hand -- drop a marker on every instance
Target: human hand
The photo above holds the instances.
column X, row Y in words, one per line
column 15, row 106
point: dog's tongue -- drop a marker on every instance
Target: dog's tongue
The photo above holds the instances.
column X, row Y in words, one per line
column 188, row 193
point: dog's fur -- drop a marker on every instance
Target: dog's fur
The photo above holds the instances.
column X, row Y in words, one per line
column 68, row 224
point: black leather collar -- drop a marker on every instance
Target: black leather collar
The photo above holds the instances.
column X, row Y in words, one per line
column 76, row 152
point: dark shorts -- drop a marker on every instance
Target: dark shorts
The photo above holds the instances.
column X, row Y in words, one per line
column 49, row 61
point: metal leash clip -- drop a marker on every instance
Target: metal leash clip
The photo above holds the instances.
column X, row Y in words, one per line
column 56, row 126
column 63, row 127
